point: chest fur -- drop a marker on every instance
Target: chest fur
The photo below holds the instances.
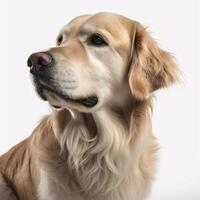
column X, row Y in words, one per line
column 100, row 166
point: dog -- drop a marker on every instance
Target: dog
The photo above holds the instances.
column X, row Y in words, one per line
column 97, row 143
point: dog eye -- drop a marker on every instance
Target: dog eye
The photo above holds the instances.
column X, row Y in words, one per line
column 97, row 40
column 59, row 40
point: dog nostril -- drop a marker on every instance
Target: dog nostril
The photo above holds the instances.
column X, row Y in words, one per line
column 29, row 63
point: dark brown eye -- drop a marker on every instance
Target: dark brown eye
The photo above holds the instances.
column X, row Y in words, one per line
column 97, row 40
column 59, row 40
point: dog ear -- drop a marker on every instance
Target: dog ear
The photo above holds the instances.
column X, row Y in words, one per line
column 151, row 67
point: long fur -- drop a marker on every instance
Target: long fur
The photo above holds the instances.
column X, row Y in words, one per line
column 106, row 154
column 118, row 157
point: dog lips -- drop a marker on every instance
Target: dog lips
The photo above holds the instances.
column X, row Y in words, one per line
column 89, row 102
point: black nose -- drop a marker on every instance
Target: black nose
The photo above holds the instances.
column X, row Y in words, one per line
column 39, row 62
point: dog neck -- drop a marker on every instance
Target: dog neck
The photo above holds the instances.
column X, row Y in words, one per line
column 98, row 146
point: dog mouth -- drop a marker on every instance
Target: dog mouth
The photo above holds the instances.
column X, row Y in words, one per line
column 89, row 101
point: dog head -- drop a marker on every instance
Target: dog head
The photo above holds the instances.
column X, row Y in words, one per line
column 99, row 60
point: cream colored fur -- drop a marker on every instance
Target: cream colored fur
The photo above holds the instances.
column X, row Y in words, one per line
column 103, row 153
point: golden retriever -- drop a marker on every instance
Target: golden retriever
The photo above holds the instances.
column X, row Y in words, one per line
column 97, row 143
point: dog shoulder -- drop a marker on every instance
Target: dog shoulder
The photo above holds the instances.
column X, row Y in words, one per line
column 6, row 192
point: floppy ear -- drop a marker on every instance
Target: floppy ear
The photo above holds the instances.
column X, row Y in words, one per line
column 151, row 67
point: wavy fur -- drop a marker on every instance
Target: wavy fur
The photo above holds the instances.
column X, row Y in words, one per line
column 105, row 153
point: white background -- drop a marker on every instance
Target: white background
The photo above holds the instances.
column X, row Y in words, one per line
column 28, row 26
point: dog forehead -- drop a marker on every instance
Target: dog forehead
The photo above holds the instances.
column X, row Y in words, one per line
column 115, row 24
column 108, row 19
column 75, row 23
